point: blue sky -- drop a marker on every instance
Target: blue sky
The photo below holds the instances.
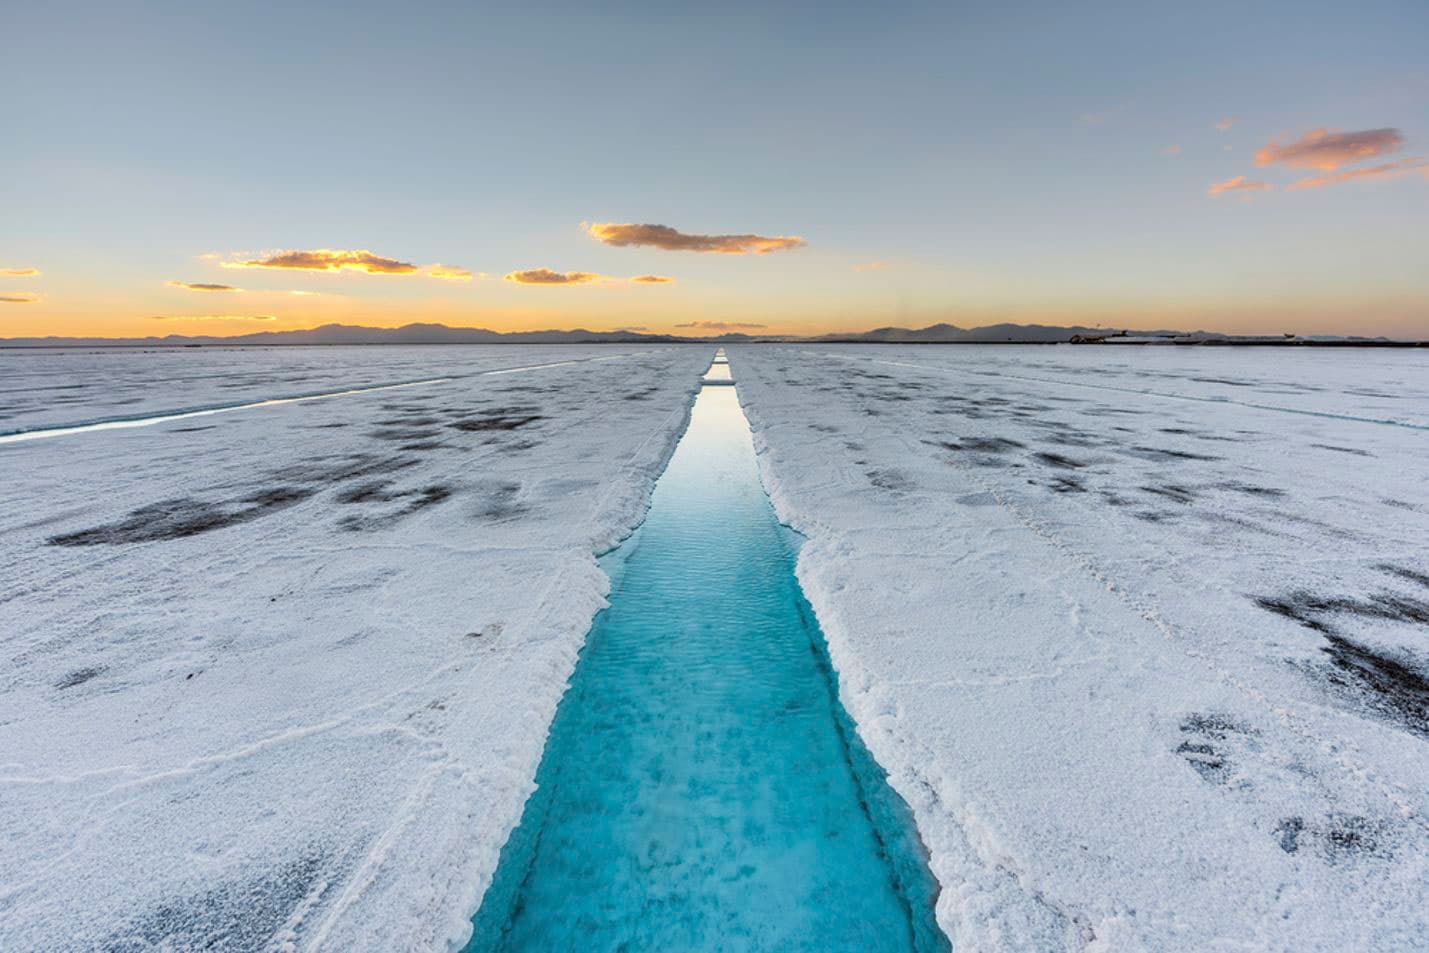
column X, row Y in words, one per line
column 995, row 162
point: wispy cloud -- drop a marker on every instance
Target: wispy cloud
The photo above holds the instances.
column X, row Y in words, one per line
column 1171, row 150
column 1239, row 184
column 1103, row 115
column 545, row 276
column 449, row 273
column 213, row 317
column 669, row 239
column 722, row 325
column 20, row 272
column 1326, row 151
column 871, row 266
column 1388, row 170
column 1226, row 123
column 201, row 286
column 328, row 259
column 17, row 297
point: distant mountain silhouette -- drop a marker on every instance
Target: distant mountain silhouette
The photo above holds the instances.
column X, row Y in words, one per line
column 951, row 334
column 349, row 334
column 354, row 334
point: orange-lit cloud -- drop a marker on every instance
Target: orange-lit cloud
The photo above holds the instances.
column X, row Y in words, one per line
column 1238, row 184
column 20, row 272
column 871, row 266
column 652, row 280
column 449, row 273
column 328, row 259
column 201, row 286
column 1226, row 123
column 1388, row 170
column 545, row 276
column 1172, row 150
column 1326, row 151
column 18, row 297
column 722, row 325
column 213, row 317
column 669, row 239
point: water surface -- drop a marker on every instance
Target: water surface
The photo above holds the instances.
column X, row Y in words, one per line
column 702, row 787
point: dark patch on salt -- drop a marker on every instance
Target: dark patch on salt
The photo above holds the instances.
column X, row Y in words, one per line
column 1067, row 484
column 402, row 433
column 1337, row 839
column 1353, row 450
column 889, row 479
column 1252, row 490
column 347, row 467
column 983, row 445
column 414, row 501
column 79, row 676
column 1161, row 453
column 1057, row 460
column 1311, row 610
column 235, row 915
column 1180, row 494
column 176, row 519
column 1207, row 744
column 501, row 502
column 495, row 421
column 1403, row 572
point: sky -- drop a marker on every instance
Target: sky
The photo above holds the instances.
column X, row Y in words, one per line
column 785, row 168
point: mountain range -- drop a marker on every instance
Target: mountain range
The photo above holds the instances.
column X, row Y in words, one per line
column 348, row 334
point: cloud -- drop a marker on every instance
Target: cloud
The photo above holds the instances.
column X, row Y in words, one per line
column 722, row 325
column 17, row 297
column 652, row 280
column 1226, row 123
column 667, row 238
column 1326, row 151
column 449, row 273
column 1172, row 150
column 213, row 317
column 20, row 272
column 328, row 259
column 1104, row 115
column 1239, row 184
column 1388, row 170
column 871, row 266
column 201, row 286
column 545, row 276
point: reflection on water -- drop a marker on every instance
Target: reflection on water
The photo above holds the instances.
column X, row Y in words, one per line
column 702, row 788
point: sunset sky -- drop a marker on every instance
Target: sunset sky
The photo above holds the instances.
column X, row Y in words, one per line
column 1245, row 167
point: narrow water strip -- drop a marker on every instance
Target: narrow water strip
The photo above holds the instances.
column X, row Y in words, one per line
column 125, row 423
column 162, row 417
column 702, row 787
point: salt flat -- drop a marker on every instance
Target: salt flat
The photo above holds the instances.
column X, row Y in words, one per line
column 284, row 675
column 1140, row 634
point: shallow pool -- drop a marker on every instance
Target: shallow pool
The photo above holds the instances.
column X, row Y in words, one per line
column 702, row 787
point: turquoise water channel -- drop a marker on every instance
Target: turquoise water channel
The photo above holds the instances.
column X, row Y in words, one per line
column 702, row 787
